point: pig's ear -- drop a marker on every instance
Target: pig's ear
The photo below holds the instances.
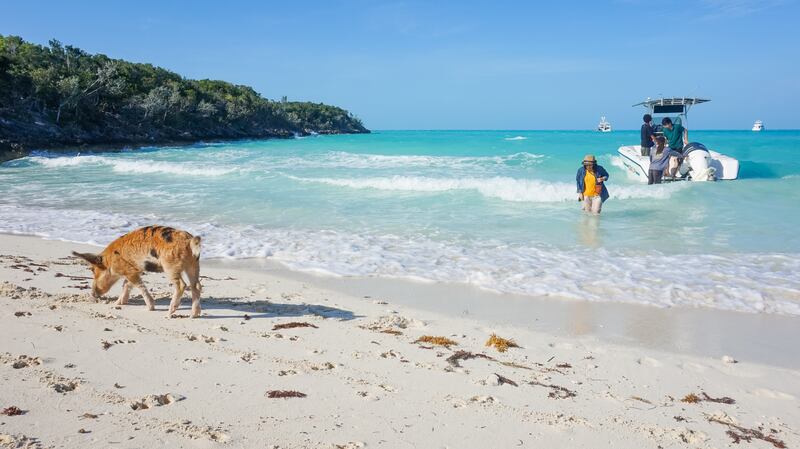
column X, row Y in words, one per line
column 94, row 259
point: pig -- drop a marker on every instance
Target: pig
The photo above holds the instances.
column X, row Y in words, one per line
column 150, row 249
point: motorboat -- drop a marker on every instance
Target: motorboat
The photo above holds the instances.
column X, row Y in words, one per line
column 604, row 126
column 698, row 162
column 758, row 126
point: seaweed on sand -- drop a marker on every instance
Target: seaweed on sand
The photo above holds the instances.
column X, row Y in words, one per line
column 505, row 380
column 739, row 433
column 557, row 391
column 722, row 400
column 692, row 398
column 501, row 344
column 440, row 341
column 12, row 411
column 455, row 359
column 292, row 325
column 279, row 394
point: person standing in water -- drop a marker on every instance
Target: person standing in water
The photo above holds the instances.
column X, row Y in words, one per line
column 647, row 135
column 590, row 181
column 677, row 137
column 658, row 161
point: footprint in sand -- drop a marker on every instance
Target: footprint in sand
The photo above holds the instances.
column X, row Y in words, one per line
column 649, row 361
column 155, row 400
column 696, row 367
column 772, row 394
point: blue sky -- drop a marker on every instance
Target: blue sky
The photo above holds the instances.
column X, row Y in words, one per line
column 461, row 65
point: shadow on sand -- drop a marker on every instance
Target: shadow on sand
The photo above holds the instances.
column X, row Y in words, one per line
column 253, row 309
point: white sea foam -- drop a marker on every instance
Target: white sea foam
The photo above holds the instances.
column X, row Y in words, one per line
column 343, row 159
column 739, row 281
column 504, row 188
column 137, row 166
column 516, row 138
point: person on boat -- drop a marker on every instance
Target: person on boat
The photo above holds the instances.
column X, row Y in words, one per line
column 590, row 181
column 659, row 159
column 677, row 137
column 647, row 135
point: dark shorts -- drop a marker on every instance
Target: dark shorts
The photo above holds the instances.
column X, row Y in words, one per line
column 654, row 176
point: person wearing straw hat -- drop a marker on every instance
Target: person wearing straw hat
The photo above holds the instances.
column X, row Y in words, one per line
column 590, row 181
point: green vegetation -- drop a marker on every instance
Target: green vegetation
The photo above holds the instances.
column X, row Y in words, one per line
column 59, row 95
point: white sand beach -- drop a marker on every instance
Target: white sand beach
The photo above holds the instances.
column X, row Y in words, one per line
column 78, row 373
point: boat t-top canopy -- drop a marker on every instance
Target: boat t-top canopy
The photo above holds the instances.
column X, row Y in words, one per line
column 679, row 105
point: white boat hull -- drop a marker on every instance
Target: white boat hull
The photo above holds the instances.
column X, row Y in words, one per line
column 705, row 166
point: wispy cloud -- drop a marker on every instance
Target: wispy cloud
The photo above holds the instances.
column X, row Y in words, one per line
column 728, row 9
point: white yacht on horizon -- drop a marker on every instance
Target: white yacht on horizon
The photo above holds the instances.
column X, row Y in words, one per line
column 758, row 126
column 604, row 126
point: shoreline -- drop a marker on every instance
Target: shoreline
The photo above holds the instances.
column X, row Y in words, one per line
column 86, row 373
column 10, row 151
column 699, row 331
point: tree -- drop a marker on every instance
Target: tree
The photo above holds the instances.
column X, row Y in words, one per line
column 72, row 92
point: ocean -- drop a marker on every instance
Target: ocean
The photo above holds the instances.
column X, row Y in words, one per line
column 494, row 209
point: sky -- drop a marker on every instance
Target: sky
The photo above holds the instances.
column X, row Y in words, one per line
column 460, row 64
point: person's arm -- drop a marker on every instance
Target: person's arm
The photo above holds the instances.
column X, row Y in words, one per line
column 603, row 174
column 578, row 185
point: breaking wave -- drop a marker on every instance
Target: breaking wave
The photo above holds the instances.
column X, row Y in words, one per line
column 504, row 188
column 139, row 166
column 736, row 281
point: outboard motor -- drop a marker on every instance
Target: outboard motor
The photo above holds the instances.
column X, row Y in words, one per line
column 698, row 158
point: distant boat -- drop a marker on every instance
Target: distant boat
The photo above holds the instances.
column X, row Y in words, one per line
column 758, row 126
column 604, row 126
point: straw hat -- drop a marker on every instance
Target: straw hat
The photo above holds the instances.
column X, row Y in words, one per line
column 589, row 158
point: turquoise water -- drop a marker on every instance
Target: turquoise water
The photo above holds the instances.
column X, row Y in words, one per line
column 496, row 209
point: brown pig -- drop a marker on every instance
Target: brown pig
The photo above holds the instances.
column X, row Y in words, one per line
column 153, row 249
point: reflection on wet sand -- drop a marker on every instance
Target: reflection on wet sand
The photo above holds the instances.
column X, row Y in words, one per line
column 589, row 231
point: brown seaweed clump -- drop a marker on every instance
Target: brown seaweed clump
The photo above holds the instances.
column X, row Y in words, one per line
column 692, row 398
column 501, row 344
column 280, row 394
column 739, row 433
column 455, row 359
column 12, row 411
column 439, row 341
column 292, row 325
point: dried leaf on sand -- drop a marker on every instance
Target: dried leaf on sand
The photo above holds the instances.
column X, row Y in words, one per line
column 501, row 344
column 278, row 394
column 292, row 325
column 440, row 341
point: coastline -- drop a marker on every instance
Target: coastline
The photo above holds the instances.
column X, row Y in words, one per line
column 203, row 381
column 698, row 331
column 16, row 150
